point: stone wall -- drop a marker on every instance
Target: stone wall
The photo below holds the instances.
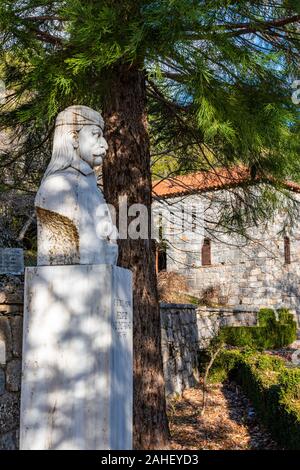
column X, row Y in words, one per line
column 180, row 346
column 11, row 316
column 251, row 271
column 186, row 329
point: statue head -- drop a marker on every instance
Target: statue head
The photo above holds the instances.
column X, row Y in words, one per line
column 78, row 136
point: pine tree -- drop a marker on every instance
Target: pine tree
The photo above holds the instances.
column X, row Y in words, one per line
column 202, row 77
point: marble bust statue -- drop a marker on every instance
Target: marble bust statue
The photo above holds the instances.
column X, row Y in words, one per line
column 74, row 222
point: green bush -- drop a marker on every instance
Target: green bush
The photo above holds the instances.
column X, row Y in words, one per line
column 269, row 334
column 266, row 317
column 285, row 316
column 267, row 362
column 224, row 363
column 273, row 389
column 289, row 381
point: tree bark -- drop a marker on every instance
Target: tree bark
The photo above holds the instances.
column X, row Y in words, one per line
column 126, row 172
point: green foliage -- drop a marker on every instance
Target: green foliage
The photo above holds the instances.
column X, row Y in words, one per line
column 269, row 334
column 289, row 381
column 223, row 365
column 266, row 362
column 285, row 316
column 212, row 86
column 230, row 359
column 273, row 389
column 266, row 317
column 272, row 401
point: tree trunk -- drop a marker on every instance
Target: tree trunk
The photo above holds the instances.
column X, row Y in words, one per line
column 127, row 173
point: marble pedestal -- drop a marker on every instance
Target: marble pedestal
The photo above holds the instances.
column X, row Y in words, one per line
column 77, row 358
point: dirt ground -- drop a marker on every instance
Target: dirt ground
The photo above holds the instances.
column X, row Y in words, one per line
column 229, row 422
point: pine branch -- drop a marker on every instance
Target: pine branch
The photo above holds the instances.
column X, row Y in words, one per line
column 268, row 25
column 43, row 18
column 245, row 28
column 156, row 93
column 46, row 37
column 265, row 24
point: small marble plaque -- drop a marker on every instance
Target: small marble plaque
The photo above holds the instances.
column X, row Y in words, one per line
column 11, row 261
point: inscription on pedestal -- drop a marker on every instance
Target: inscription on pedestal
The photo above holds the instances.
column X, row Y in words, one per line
column 11, row 261
column 122, row 318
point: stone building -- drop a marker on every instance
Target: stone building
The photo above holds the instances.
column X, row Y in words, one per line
column 261, row 268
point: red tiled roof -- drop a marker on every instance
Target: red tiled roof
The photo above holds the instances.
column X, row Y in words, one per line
column 218, row 178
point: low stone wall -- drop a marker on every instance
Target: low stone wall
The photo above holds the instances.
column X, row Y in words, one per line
column 186, row 329
column 180, row 346
column 210, row 319
column 11, row 320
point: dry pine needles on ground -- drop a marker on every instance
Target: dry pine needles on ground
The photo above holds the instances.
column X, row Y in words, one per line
column 229, row 422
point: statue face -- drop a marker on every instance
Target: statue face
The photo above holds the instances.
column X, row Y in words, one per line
column 91, row 145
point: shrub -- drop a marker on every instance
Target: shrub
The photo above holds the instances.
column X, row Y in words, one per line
column 289, row 381
column 273, row 389
column 214, row 295
column 173, row 288
column 267, row 362
column 225, row 362
column 285, row 316
column 266, row 317
column 269, row 334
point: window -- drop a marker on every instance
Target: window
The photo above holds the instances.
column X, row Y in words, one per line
column 206, row 252
column 287, row 250
column 161, row 257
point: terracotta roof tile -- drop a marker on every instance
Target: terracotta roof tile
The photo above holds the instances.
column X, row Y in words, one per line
column 218, row 178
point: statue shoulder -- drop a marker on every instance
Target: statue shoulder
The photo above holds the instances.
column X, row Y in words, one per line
column 56, row 189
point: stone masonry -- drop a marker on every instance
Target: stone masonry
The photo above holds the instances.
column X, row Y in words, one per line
column 11, row 319
column 185, row 330
column 252, row 272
